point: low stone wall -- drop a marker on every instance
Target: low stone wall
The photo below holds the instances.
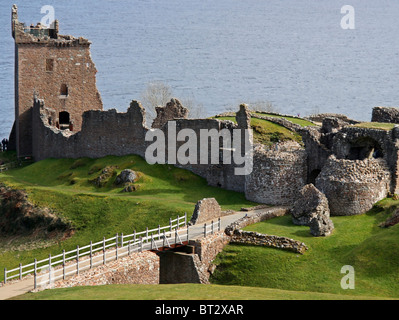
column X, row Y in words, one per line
column 267, row 214
column 259, row 239
column 138, row 268
column 321, row 116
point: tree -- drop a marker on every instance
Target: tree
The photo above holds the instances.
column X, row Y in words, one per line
column 156, row 94
column 159, row 93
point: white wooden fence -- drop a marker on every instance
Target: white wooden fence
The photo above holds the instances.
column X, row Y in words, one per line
column 71, row 262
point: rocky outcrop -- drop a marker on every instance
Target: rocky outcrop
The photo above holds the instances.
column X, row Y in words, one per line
column 18, row 216
column 311, row 209
column 106, row 174
column 126, row 176
column 321, row 226
column 310, row 204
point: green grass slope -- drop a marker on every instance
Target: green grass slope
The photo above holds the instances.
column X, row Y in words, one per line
column 267, row 132
column 356, row 241
column 163, row 192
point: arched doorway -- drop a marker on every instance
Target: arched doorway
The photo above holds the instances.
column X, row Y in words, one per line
column 364, row 148
column 64, row 120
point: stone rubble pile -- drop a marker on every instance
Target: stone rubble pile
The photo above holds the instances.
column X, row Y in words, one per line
column 311, row 209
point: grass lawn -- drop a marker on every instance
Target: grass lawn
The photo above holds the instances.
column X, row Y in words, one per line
column 267, row 132
column 180, row 292
column 63, row 185
column 301, row 122
column 376, row 125
column 356, row 241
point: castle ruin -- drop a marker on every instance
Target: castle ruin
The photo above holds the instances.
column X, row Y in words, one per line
column 56, row 68
column 59, row 114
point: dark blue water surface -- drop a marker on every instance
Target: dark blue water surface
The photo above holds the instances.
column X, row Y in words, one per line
column 220, row 53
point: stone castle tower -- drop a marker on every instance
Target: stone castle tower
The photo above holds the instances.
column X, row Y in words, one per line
column 56, row 68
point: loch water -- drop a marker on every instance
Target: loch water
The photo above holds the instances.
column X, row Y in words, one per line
column 292, row 53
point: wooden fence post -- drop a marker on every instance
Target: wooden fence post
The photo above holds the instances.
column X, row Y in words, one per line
column 49, row 268
column 116, row 246
column 63, row 264
column 35, row 275
column 77, row 259
column 185, row 218
column 103, row 250
column 91, row 254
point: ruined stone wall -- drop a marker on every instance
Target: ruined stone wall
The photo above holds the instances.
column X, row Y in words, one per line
column 114, row 133
column 321, row 116
column 173, row 110
column 206, row 210
column 217, row 174
column 350, row 138
column 103, row 133
column 270, row 241
column 277, row 176
column 385, row 114
column 353, row 186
